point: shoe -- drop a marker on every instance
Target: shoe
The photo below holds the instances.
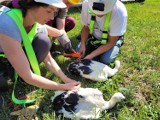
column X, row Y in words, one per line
column 1, row 101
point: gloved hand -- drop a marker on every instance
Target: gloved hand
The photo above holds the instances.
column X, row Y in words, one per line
column 68, row 47
column 65, row 43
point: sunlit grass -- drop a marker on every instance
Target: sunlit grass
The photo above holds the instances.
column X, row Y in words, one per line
column 138, row 77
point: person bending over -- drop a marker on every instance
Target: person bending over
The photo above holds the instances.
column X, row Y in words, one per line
column 23, row 54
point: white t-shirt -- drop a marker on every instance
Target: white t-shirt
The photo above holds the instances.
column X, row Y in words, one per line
column 117, row 24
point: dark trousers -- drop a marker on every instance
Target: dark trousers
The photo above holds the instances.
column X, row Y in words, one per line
column 69, row 23
column 41, row 45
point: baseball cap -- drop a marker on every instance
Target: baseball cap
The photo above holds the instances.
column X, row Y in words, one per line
column 55, row 3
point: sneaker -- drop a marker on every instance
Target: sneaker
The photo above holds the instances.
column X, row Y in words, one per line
column 1, row 101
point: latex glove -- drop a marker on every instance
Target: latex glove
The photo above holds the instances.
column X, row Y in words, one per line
column 68, row 47
column 65, row 43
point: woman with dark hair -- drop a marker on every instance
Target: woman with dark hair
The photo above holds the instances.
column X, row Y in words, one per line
column 24, row 44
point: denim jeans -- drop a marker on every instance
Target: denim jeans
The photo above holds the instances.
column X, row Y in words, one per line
column 107, row 57
column 70, row 23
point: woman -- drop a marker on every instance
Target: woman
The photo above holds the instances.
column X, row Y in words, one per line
column 40, row 11
column 62, row 23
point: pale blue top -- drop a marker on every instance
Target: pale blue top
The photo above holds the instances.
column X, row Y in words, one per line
column 9, row 28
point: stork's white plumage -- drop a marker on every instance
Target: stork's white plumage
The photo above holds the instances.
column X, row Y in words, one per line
column 85, row 103
column 93, row 70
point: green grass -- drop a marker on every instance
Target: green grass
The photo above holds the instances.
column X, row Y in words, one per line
column 138, row 77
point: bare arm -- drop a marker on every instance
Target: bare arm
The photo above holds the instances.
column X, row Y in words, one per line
column 103, row 48
column 84, row 34
column 53, row 32
column 53, row 66
column 60, row 24
column 84, row 37
column 16, row 56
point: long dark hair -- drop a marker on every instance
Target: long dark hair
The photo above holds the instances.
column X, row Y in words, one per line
column 24, row 5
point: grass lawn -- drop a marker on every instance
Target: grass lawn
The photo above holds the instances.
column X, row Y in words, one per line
column 138, row 77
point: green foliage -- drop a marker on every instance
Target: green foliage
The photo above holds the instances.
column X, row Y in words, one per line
column 138, row 78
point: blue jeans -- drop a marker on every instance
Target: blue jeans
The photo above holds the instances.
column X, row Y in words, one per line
column 108, row 56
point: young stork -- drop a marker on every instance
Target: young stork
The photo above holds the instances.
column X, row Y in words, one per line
column 85, row 103
column 93, row 70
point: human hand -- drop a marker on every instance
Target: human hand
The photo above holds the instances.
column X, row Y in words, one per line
column 69, row 80
column 82, row 50
column 72, row 86
column 88, row 57
column 68, row 47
